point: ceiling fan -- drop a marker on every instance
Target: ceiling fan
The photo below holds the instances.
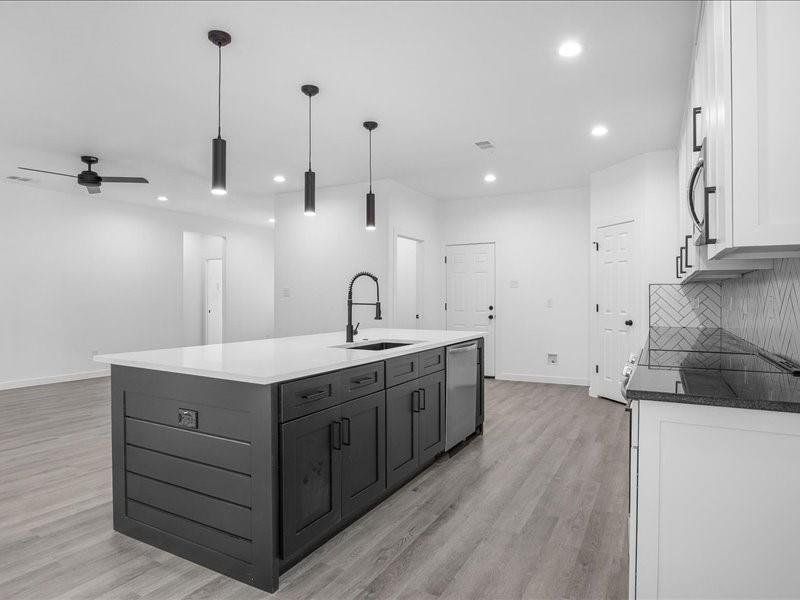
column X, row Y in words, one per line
column 90, row 179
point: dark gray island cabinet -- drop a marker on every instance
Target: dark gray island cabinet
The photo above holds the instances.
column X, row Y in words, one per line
column 247, row 479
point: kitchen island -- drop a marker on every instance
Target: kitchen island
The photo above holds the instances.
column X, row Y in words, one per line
column 244, row 457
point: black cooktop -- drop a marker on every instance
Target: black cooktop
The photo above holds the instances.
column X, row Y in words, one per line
column 713, row 367
column 707, row 349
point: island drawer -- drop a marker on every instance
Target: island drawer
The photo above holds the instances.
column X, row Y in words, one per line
column 305, row 396
column 401, row 369
column 431, row 361
column 362, row 380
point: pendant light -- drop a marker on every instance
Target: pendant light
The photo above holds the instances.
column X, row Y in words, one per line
column 370, row 126
column 310, row 208
column 218, row 145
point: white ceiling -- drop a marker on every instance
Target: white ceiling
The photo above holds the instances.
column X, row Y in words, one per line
column 135, row 83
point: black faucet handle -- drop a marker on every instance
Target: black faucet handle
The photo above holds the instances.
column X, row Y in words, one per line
column 355, row 329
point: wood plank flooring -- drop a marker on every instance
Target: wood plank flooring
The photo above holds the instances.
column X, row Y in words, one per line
column 536, row 508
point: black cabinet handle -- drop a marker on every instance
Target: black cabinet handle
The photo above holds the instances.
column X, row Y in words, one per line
column 315, row 395
column 346, row 431
column 336, row 435
column 686, row 252
column 629, row 323
column 415, row 401
column 677, row 265
column 707, row 239
column 697, row 110
column 363, row 380
column 491, row 307
column 491, row 317
column 680, row 256
column 423, row 404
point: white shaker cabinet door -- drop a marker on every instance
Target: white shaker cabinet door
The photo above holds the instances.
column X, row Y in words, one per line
column 760, row 212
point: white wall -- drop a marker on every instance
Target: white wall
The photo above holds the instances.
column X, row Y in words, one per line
column 197, row 249
column 642, row 188
column 540, row 242
column 318, row 255
column 83, row 273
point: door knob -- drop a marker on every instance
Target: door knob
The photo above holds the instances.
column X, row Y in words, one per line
column 628, row 322
column 491, row 317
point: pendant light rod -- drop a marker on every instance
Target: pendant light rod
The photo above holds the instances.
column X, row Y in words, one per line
column 309, row 207
column 370, row 126
column 219, row 145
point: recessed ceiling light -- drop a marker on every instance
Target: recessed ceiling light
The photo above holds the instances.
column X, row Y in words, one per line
column 271, row 219
column 279, row 179
column 599, row 130
column 162, row 198
column 490, row 178
column 570, row 49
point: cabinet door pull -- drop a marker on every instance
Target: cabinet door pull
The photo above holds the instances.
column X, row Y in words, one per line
column 336, row 435
column 696, row 111
column 423, row 404
column 415, row 401
column 677, row 265
column 315, row 395
column 680, row 256
column 363, row 380
column 346, row 431
column 686, row 252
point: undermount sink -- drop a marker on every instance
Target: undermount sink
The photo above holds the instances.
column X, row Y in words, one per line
column 377, row 344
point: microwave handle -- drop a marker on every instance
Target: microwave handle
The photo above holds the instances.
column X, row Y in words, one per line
column 692, row 211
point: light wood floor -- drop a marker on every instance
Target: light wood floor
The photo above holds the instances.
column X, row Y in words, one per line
column 536, row 508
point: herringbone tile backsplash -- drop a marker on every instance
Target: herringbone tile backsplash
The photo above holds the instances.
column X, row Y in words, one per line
column 690, row 305
column 763, row 307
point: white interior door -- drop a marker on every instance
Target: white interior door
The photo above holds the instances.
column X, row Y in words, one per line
column 408, row 283
column 214, row 295
column 615, row 298
column 470, row 294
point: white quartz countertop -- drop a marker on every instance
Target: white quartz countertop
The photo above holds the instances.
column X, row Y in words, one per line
column 281, row 359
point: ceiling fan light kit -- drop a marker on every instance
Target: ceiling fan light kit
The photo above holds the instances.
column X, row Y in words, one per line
column 89, row 179
column 219, row 145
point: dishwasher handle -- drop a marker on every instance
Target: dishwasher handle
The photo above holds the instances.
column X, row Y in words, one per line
column 460, row 349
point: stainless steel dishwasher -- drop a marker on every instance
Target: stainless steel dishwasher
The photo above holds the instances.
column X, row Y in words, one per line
column 461, row 402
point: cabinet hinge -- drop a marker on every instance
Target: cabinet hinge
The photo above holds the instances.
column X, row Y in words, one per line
column 597, row 368
column 596, row 246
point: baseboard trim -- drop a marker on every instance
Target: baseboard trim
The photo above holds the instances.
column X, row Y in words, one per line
column 23, row 383
column 543, row 379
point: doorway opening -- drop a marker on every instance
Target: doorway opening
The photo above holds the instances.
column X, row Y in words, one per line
column 470, row 301
column 204, row 288
column 408, row 282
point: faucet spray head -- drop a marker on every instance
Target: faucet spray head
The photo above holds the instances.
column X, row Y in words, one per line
column 378, row 316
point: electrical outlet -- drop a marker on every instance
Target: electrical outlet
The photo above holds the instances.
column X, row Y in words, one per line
column 696, row 303
column 772, row 307
column 286, row 293
column 549, row 303
column 552, row 359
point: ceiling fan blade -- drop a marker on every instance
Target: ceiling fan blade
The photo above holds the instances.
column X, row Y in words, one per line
column 49, row 172
column 95, row 189
column 124, row 179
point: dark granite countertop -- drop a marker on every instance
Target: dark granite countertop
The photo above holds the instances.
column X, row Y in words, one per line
column 710, row 367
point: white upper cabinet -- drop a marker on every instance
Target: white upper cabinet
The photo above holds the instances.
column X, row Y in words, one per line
column 704, row 158
column 751, row 123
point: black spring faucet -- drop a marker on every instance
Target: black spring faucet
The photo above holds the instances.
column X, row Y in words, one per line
column 351, row 331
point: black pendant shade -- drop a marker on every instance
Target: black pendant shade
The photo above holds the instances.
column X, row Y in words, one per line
column 218, row 186
column 370, row 126
column 310, row 206
column 218, row 145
